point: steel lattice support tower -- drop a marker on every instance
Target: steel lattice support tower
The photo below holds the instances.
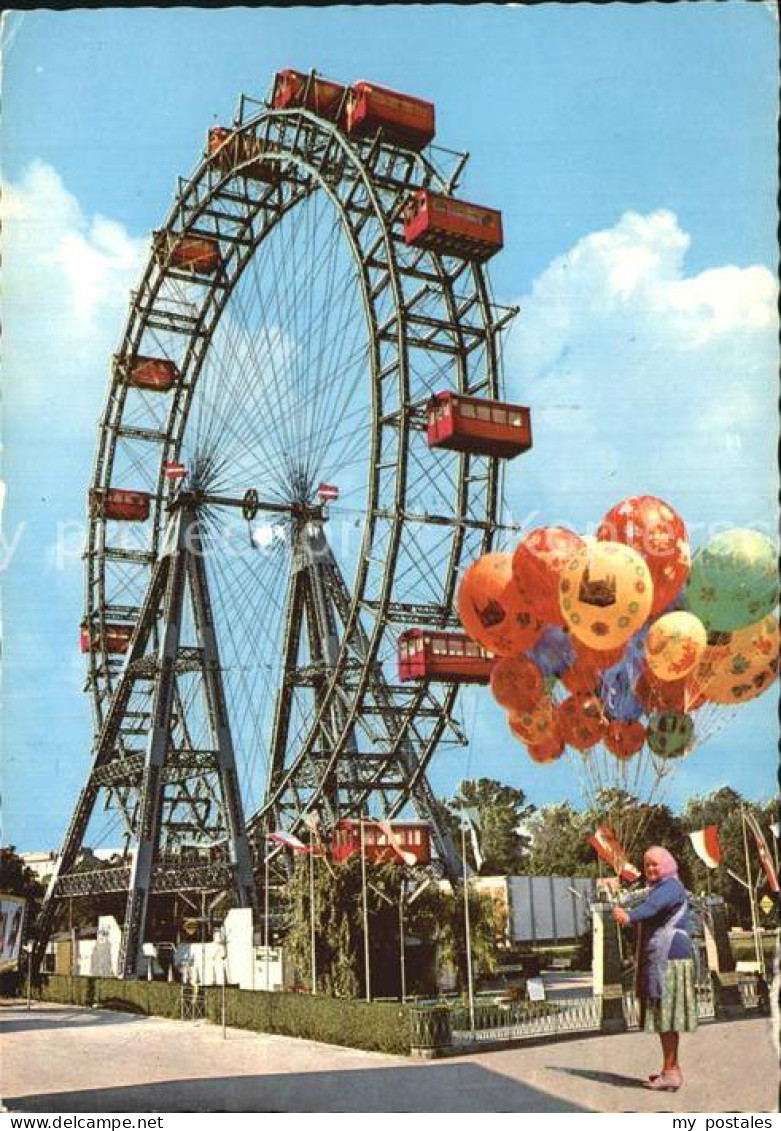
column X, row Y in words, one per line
column 171, row 794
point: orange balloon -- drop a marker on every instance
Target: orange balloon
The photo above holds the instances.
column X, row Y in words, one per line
column 545, row 752
column 600, row 661
column 535, row 726
column 580, row 720
column 538, row 563
column 659, row 696
column 743, row 667
column 491, row 610
column 624, row 739
column 605, row 594
column 516, row 683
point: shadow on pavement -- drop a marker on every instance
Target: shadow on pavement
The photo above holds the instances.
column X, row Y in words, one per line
column 436, row 1087
column 39, row 1018
column 600, row 1077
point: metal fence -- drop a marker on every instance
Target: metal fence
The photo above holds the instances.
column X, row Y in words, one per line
column 510, row 1021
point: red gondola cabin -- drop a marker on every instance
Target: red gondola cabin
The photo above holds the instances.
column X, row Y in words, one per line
column 155, row 374
column 120, row 505
column 229, row 149
column 404, row 120
column 412, row 836
column 199, row 255
column 470, row 424
column 294, row 88
column 452, row 227
column 445, row 657
column 117, row 638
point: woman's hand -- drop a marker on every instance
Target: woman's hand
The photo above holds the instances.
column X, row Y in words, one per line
column 620, row 916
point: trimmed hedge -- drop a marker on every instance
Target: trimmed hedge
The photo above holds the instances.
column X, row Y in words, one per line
column 376, row 1026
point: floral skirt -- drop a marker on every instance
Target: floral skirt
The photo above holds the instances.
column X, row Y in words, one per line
column 676, row 1010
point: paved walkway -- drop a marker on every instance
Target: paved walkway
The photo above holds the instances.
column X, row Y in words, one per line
column 62, row 1059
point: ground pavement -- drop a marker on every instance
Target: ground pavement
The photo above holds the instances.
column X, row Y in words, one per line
column 63, row 1059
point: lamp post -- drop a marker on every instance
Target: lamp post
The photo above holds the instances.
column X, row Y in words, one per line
column 365, row 901
column 468, row 932
column 28, row 949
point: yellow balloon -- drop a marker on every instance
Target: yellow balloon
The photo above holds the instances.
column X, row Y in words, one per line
column 675, row 644
column 741, row 668
column 605, row 595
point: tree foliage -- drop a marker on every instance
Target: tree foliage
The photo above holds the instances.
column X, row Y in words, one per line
column 503, row 812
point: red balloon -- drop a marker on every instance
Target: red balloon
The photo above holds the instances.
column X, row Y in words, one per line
column 624, row 739
column 543, row 752
column 538, row 563
column 657, row 532
column 516, row 683
column 492, row 612
column 536, row 726
column 592, row 658
column 586, row 671
column 658, row 696
column 581, row 720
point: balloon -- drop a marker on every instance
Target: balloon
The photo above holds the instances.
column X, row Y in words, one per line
column 535, row 726
column 580, row 721
column 733, row 581
column 545, row 752
column 657, row 696
column 617, row 692
column 490, row 609
column 595, row 659
column 674, row 645
column 554, row 651
column 538, row 562
column 606, row 595
column 624, row 738
column 670, row 734
column 741, row 669
column 652, row 528
column 516, row 683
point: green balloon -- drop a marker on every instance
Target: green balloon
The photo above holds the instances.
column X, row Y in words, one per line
column 733, row 580
column 670, row 734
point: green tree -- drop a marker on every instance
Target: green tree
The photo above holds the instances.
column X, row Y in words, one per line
column 560, row 843
column 503, row 812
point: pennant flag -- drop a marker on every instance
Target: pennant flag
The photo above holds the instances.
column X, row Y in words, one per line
column 312, row 822
column 763, row 850
column 776, row 830
column 395, row 842
column 473, row 824
column 705, row 843
column 174, row 471
column 608, row 848
column 327, row 492
column 287, row 840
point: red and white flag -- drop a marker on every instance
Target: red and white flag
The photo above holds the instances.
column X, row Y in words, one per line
column 174, row 471
column 287, row 840
column 608, row 848
column 705, row 843
column 763, row 850
column 327, row 492
column 395, row 843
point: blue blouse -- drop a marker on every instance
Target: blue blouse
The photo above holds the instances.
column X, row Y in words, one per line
column 664, row 915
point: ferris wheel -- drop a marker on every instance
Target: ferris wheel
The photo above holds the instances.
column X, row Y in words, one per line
column 273, row 508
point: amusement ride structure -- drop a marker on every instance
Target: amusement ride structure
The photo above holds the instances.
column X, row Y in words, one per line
column 301, row 448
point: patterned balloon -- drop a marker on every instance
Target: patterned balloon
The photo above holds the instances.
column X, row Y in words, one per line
column 733, row 581
column 545, row 752
column 538, row 563
column 657, row 532
column 554, row 652
column 617, row 692
column 624, row 739
column 516, row 683
column 741, row 669
column 580, row 720
column 670, row 735
column 674, row 645
column 658, row 696
column 490, row 609
column 606, row 595
column 535, row 726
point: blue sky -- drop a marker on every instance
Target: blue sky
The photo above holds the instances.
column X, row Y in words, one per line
column 632, row 152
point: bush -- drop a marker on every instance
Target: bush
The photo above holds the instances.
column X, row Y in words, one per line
column 377, row 1026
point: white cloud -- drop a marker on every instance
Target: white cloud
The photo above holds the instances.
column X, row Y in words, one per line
column 645, row 380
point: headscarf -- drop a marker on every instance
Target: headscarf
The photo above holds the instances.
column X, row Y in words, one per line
column 667, row 864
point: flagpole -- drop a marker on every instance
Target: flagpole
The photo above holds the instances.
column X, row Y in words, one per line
column 401, row 945
column 759, row 950
column 468, row 932
column 312, row 914
column 265, row 911
column 364, row 900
